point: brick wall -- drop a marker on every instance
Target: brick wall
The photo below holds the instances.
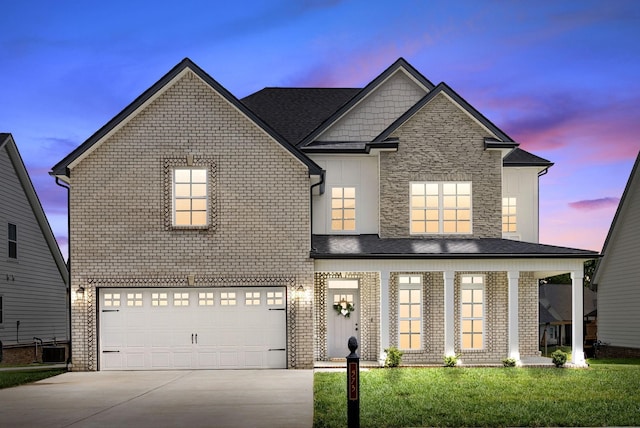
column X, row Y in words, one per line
column 259, row 227
column 528, row 323
column 441, row 143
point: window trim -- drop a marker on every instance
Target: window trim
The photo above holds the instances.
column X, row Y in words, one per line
column 411, row 286
column 508, row 206
column 342, row 219
column 175, row 198
column 12, row 242
column 2, row 311
column 474, row 286
column 440, row 208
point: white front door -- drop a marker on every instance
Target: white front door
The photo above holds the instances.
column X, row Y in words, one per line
column 189, row 328
column 343, row 320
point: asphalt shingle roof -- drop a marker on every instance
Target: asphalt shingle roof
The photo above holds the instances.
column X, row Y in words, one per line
column 519, row 157
column 372, row 246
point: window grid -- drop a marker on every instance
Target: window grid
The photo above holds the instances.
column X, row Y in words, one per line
column 180, row 299
column 343, row 208
column 228, row 298
column 190, row 197
column 472, row 311
column 112, row 299
column 205, row 299
column 410, row 312
column 440, row 207
column 134, row 299
column 509, row 215
column 12, row 234
column 252, row 298
column 275, row 298
column 159, row 299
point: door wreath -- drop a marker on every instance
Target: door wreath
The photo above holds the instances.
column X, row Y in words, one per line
column 344, row 308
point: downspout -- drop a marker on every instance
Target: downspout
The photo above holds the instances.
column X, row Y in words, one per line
column 319, row 183
column 64, row 186
column 540, row 174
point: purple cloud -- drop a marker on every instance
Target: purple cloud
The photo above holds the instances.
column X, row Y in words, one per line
column 595, row 204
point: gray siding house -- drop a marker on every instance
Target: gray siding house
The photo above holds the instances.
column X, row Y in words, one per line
column 617, row 276
column 34, row 306
column 209, row 232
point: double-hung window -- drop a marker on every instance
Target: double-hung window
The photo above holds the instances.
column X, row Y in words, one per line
column 472, row 311
column 410, row 311
column 509, row 215
column 12, row 234
column 190, row 197
column 343, row 208
column 440, row 208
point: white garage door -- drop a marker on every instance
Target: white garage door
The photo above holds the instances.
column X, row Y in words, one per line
column 191, row 328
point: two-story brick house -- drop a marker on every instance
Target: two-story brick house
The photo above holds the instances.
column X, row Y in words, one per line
column 212, row 232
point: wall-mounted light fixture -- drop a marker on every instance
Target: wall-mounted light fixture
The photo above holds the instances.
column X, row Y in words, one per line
column 80, row 291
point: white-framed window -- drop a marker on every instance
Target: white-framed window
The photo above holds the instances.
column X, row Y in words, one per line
column 112, row 300
column 410, row 311
column 440, row 207
column 275, row 298
column 134, row 300
column 343, row 208
column 1, row 310
column 509, row 215
column 252, row 298
column 159, row 299
column 205, row 298
column 228, row 298
column 12, row 235
column 190, row 197
column 472, row 311
column 180, row 299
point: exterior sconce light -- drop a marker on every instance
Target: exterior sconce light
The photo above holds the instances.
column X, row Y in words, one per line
column 80, row 291
column 299, row 293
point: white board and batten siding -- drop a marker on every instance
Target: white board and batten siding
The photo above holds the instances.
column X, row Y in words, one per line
column 618, row 276
column 32, row 288
column 522, row 184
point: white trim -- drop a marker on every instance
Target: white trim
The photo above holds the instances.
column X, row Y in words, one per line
column 342, row 283
column 513, row 309
column 449, row 313
column 577, row 315
column 474, row 286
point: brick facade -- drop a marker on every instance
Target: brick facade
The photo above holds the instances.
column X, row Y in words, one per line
column 259, row 225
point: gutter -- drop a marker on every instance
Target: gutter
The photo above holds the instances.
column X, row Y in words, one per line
column 321, row 184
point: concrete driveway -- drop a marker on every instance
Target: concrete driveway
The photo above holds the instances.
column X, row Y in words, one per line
column 222, row 398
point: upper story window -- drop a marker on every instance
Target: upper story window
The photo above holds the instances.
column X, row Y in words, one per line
column 190, row 199
column 410, row 311
column 472, row 300
column 1, row 311
column 440, row 207
column 509, row 215
column 343, row 208
column 13, row 241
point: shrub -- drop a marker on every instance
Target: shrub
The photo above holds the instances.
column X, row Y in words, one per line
column 509, row 362
column 559, row 357
column 394, row 357
column 450, row 360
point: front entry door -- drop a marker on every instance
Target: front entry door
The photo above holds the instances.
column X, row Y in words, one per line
column 343, row 320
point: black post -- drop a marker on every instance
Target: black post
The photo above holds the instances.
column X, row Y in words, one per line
column 353, row 385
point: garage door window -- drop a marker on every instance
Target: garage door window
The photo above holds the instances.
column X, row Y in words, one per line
column 112, row 299
column 180, row 299
column 228, row 298
column 275, row 297
column 134, row 300
column 252, row 298
column 205, row 299
column 159, row 299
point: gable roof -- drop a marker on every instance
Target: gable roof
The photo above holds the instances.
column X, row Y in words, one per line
column 632, row 182
column 557, row 299
column 7, row 142
column 443, row 88
column 519, row 157
column 372, row 246
column 295, row 112
column 61, row 168
column 400, row 64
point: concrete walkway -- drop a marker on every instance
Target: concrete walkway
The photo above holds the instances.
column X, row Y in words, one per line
column 221, row 398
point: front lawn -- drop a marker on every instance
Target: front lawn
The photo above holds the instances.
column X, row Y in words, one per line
column 11, row 378
column 604, row 394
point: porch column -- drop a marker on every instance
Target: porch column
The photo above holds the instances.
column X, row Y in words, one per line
column 514, row 337
column 577, row 334
column 449, row 311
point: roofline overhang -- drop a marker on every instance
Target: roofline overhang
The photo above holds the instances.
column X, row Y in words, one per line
column 453, row 256
column 390, row 145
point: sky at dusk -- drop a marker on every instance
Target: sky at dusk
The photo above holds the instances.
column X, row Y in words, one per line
column 562, row 78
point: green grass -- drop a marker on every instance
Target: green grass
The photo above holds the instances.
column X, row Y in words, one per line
column 604, row 394
column 20, row 377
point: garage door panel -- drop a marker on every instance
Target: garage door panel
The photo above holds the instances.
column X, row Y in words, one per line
column 235, row 328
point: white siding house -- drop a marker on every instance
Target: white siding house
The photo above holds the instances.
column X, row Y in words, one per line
column 33, row 274
column 618, row 275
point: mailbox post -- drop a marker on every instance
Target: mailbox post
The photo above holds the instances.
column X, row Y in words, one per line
column 353, row 385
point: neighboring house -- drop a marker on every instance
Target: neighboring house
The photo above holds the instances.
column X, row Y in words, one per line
column 33, row 275
column 212, row 232
column 617, row 276
column 555, row 316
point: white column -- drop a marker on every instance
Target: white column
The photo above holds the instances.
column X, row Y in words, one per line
column 449, row 311
column 514, row 337
column 384, row 313
column 577, row 334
